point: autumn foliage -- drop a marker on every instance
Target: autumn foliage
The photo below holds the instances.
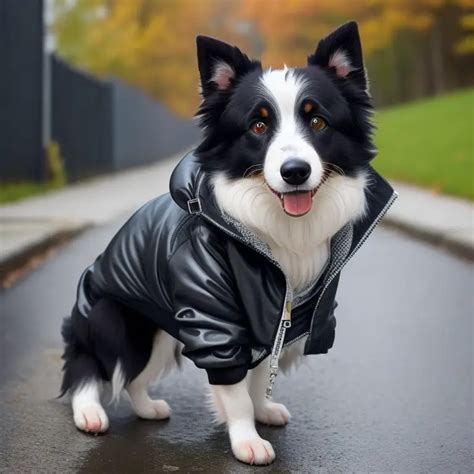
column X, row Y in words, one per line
column 150, row 43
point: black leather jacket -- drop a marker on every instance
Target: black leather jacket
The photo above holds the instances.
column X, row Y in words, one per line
column 212, row 284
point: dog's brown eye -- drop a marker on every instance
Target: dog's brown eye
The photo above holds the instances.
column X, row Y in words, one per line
column 259, row 128
column 317, row 123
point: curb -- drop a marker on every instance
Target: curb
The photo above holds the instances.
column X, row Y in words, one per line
column 458, row 247
column 16, row 261
column 459, row 244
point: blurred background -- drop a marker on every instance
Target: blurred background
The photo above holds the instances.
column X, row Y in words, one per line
column 96, row 106
column 95, row 86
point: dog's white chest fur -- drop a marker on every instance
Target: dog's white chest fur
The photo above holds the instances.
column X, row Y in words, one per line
column 301, row 268
column 301, row 244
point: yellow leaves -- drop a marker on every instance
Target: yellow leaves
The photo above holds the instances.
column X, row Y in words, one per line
column 299, row 23
column 466, row 45
column 467, row 21
column 374, row 37
column 150, row 43
column 464, row 3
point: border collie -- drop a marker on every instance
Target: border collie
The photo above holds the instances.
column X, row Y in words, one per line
column 228, row 267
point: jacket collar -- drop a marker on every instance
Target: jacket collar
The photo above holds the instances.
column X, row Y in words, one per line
column 191, row 190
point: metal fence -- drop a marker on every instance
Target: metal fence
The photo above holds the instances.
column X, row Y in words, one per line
column 104, row 126
column 100, row 125
column 21, row 85
column 144, row 130
column 81, row 120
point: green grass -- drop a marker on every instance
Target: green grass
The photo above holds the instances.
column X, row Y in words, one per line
column 14, row 191
column 429, row 143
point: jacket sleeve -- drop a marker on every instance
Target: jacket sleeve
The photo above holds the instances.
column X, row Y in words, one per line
column 210, row 318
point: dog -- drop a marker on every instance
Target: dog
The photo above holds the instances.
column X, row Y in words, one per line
column 237, row 267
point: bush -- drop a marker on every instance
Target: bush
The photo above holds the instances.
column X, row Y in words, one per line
column 55, row 165
column 10, row 192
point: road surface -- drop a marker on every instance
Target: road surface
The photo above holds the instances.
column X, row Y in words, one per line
column 395, row 393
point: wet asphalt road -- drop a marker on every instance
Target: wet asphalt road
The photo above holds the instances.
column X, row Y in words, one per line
column 395, row 393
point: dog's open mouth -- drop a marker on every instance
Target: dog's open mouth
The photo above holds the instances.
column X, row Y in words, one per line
column 298, row 203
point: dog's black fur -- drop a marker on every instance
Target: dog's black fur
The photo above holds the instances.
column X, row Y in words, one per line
column 114, row 332
column 93, row 345
column 226, row 115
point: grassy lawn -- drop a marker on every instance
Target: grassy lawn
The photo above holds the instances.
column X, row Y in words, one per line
column 14, row 191
column 429, row 143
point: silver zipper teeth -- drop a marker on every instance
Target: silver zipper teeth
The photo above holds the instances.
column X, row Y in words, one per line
column 279, row 342
column 280, row 336
column 282, row 326
column 274, row 358
column 356, row 248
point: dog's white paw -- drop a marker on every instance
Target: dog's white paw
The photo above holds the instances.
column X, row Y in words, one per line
column 152, row 409
column 271, row 413
column 91, row 418
column 254, row 451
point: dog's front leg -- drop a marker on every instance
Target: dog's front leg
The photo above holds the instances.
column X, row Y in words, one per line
column 236, row 407
column 267, row 411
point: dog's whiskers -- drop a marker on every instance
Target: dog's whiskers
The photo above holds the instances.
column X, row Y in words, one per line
column 250, row 171
column 335, row 168
column 251, row 189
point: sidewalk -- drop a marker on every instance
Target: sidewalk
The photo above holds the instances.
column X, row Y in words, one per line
column 442, row 220
column 33, row 224
column 30, row 226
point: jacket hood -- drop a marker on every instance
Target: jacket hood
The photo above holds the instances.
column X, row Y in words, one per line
column 184, row 180
column 190, row 189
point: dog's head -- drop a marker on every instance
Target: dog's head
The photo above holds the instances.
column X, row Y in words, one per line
column 291, row 127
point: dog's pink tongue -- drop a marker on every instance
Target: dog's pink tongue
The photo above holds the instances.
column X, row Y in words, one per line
column 297, row 204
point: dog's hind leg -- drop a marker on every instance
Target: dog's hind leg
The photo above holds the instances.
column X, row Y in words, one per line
column 113, row 344
column 82, row 377
column 89, row 415
column 162, row 360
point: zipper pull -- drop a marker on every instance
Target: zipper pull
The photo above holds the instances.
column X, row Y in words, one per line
column 287, row 314
column 271, row 381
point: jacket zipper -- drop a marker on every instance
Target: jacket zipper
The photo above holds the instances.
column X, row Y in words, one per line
column 285, row 320
column 284, row 324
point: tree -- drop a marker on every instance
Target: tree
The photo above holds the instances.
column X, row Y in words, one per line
column 150, row 43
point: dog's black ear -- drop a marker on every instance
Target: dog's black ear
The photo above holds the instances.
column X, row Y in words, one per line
column 220, row 64
column 341, row 51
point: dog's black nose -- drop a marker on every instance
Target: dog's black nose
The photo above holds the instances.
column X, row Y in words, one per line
column 295, row 171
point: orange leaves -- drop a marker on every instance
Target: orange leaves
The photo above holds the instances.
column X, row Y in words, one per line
column 150, row 43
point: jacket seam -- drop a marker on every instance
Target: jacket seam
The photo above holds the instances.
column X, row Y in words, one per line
column 179, row 227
